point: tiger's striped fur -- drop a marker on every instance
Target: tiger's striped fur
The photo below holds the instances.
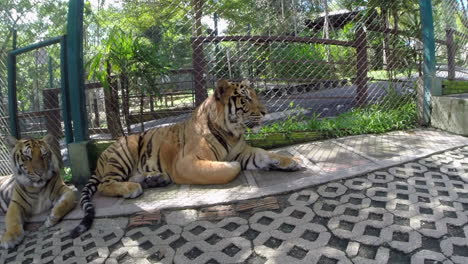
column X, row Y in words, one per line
column 208, row 148
column 34, row 187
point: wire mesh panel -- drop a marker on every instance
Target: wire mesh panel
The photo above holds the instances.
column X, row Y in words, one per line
column 338, row 67
column 329, row 66
column 38, row 71
column 452, row 40
column 38, row 92
column 4, row 157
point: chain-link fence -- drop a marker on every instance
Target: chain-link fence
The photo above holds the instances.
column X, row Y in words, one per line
column 317, row 65
column 38, row 79
column 4, row 157
column 451, row 33
column 339, row 67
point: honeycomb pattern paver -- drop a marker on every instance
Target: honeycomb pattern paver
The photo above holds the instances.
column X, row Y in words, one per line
column 416, row 212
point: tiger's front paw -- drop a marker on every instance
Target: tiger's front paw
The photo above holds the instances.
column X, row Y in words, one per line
column 157, row 180
column 51, row 221
column 287, row 164
column 11, row 239
column 134, row 190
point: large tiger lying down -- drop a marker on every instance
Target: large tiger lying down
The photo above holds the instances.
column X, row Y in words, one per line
column 208, row 148
column 34, row 187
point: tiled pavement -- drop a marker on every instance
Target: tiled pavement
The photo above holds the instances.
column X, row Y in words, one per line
column 416, row 212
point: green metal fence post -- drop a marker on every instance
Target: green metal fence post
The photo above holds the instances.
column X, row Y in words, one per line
column 78, row 150
column 75, row 69
column 51, row 73
column 427, row 22
column 12, row 100
column 65, row 91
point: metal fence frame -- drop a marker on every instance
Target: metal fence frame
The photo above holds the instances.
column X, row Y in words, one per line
column 12, row 90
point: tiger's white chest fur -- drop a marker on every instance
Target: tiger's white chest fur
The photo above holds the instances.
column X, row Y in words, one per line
column 42, row 204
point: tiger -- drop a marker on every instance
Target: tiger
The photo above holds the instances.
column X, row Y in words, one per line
column 207, row 148
column 34, row 187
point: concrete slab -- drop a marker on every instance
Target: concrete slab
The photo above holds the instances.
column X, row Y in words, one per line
column 156, row 194
column 373, row 146
column 331, row 157
column 449, row 113
column 266, row 179
column 424, row 142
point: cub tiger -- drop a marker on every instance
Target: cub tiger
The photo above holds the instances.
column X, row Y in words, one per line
column 34, row 187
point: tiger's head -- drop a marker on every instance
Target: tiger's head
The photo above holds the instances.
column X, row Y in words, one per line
column 239, row 104
column 33, row 160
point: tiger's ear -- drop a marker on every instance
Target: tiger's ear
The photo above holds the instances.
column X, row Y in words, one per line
column 246, row 83
column 50, row 139
column 222, row 88
column 11, row 141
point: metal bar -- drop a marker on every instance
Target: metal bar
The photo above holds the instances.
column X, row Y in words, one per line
column 261, row 39
column 51, row 77
column 398, row 32
column 37, row 45
column 300, row 61
column 12, row 100
column 75, row 69
column 65, row 91
column 283, row 79
column 429, row 68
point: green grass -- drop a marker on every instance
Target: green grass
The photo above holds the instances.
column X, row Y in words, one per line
column 66, row 174
column 454, row 87
column 395, row 112
column 384, row 75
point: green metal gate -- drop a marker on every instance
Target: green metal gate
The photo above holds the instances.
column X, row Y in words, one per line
column 52, row 120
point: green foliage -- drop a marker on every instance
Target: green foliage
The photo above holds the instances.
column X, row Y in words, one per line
column 66, row 174
column 394, row 112
column 454, row 87
column 34, row 21
column 131, row 55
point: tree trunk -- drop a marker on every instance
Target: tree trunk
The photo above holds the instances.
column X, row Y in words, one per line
column 111, row 104
column 386, row 40
column 124, row 83
column 142, row 103
column 326, row 28
column 392, row 56
column 198, row 59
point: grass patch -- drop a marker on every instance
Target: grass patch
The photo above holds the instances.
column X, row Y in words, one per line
column 454, row 87
column 395, row 112
column 66, row 174
column 385, row 75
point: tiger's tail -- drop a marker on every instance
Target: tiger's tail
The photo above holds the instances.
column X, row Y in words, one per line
column 87, row 205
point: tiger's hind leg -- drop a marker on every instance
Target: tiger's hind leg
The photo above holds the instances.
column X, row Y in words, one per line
column 119, row 188
column 157, row 179
column 192, row 170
